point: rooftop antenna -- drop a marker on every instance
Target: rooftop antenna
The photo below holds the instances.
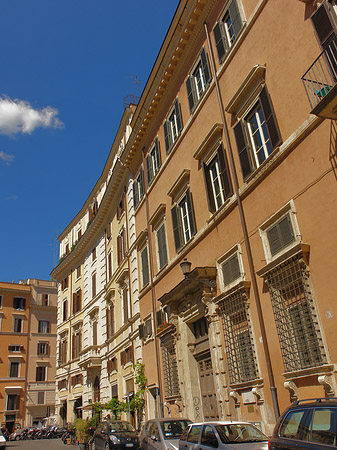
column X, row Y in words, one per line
column 132, row 98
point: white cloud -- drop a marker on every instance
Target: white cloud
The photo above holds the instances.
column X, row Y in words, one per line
column 6, row 157
column 18, row 116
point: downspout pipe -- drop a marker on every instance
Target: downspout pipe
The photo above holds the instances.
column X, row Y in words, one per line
column 273, row 389
column 153, row 294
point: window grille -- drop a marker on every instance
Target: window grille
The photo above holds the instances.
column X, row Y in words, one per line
column 170, row 367
column 295, row 316
column 242, row 365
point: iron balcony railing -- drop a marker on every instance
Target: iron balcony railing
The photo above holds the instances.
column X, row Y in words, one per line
column 321, row 77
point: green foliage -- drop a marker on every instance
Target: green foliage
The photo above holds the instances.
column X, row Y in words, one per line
column 81, row 430
column 98, row 407
column 116, row 407
column 94, row 421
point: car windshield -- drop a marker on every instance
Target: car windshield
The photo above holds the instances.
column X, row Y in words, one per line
column 172, row 429
column 240, row 432
column 121, row 426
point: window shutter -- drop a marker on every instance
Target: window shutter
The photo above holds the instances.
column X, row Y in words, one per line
column 280, row 235
column 178, row 115
column 135, row 191
column 162, row 251
column 231, row 269
column 109, row 266
column 242, row 146
column 145, row 266
column 160, row 318
column 205, row 66
column 17, row 401
column 270, row 118
column 79, row 300
column 123, row 357
column 148, row 327
column 219, row 41
column 190, row 211
column 109, row 366
column 209, row 190
column 48, row 326
column 131, row 353
column 157, row 151
column 74, row 303
column 119, row 249
column 190, row 95
column 125, row 305
column 235, row 17
column 323, row 24
column 177, row 232
column 149, row 168
column 166, row 136
column 141, row 182
column 141, row 331
column 225, row 172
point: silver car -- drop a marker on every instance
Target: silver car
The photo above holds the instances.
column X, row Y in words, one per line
column 223, row 436
column 162, row 434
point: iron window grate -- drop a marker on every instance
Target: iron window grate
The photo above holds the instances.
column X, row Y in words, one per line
column 170, row 367
column 240, row 352
column 295, row 316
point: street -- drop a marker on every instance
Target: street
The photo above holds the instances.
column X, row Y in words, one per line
column 43, row 444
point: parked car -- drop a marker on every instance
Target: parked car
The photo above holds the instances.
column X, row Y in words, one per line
column 2, row 440
column 115, row 434
column 223, row 436
column 307, row 424
column 162, row 434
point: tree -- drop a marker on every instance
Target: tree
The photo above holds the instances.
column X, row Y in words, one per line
column 116, row 407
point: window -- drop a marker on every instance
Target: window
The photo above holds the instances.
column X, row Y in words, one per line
column 324, row 20
column 13, row 402
column 125, row 295
column 257, row 134
column 64, row 310
column 242, row 365
column 77, row 301
column 193, row 435
column 93, row 285
column 18, row 325
column 208, row 437
column 43, row 348
column 170, row 368
column 93, row 255
column 198, row 80
column 77, row 343
column 121, row 246
column 40, row 398
column 121, row 207
column 14, row 369
column 43, row 326
column 145, row 329
column 76, row 380
column 64, row 284
column 161, row 246
column 231, row 270
column 112, row 365
column 63, row 344
column 78, row 271
column 127, row 355
column 138, row 188
column 110, row 321
column 162, row 316
column 41, row 373
column 145, row 266
column 293, row 304
column 280, row 235
column 62, row 384
column 19, row 303
column 227, row 29
column 323, row 427
column 94, row 331
column 153, row 162
column 114, row 391
column 291, row 426
column 15, row 348
column 0, row 301
column 200, row 328
column 217, row 179
column 172, row 126
column 45, row 299
column 109, row 265
column 183, row 221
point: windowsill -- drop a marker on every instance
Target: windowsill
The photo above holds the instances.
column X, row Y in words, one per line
column 258, row 382
column 302, row 373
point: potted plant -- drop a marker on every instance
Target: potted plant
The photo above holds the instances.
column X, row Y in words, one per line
column 81, row 432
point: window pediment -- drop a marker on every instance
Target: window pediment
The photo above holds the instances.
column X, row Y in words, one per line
column 180, row 184
column 210, row 143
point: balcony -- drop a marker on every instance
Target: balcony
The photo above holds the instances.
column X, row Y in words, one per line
column 90, row 358
column 320, row 82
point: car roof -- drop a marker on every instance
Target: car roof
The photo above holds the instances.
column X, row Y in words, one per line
column 222, row 422
column 316, row 402
column 170, row 419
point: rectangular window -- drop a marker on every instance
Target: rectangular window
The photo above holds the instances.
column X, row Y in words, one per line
column 64, row 284
column 170, row 367
column 198, row 80
column 18, row 325
column 257, row 134
column 41, row 373
column 77, row 343
column 63, row 357
column 161, row 246
column 0, row 301
column 44, row 326
column 231, row 270
column 280, row 235
column 183, row 221
column 109, row 265
column 45, row 299
column 43, row 348
column 14, row 369
column 94, row 332
column 295, row 316
column 19, row 303
column 114, row 391
column 145, row 266
column 218, row 182
column 153, row 162
column 40, row 398
column 125, row 294
column 172, row 126
column 138, row 188
column 110, row 321
column 13, row 402
column 76, row 380
column 121, row 207
column 145, row 329
column 15, row 348
column 65, row 310
column 227, row 29
column 93, row 285
column 93, row 255
column 78, row 271
column 77, row 301
column 121, row 246
column 242, row 365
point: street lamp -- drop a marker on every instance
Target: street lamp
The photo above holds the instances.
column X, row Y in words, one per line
column 186, row 267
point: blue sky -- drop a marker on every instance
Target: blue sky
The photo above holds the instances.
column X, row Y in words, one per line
column 66, row 66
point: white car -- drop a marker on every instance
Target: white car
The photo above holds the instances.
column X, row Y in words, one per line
column 2, row 440
column 223, row 436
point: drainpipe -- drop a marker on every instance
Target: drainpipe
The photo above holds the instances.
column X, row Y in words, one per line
column 153, row 294
column 245, row 234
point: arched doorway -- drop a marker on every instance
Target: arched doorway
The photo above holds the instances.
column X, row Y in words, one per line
column 96, row 395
